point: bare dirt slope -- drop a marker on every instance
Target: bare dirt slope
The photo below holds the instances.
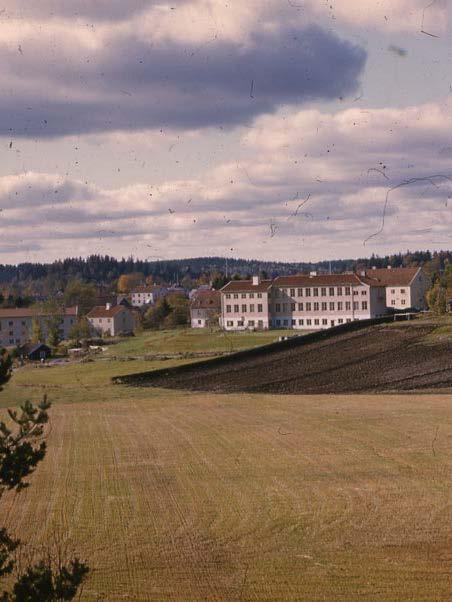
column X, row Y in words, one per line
column 379, row 358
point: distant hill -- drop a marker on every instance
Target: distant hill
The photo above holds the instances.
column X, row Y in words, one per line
column 105, row 269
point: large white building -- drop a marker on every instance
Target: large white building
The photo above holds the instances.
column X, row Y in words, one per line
column 316, row 301
column 16, row 324
column 147, row 295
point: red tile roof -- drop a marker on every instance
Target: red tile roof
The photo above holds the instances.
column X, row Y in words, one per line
column 242, row 286
column 393, row 276
column 100, row 311
column 32, row 312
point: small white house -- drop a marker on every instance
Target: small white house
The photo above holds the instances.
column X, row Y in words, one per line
column 112, row 320
column 147, row 295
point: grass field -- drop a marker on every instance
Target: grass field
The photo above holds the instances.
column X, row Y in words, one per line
column 193, row 496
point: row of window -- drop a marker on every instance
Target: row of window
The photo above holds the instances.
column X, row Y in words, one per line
column 260, row 308
column 284, row 307
column 243, row 295
column 314, row 291
column 250, row 323
column 310, row 322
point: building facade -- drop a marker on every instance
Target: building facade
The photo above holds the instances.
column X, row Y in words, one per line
column 317, row 301
column 245, row 304
column 146, row 295
column 111, row 320
column 205, row 308
column 16, row 324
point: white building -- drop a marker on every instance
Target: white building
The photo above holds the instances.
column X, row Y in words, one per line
column 205, row 308
column 316, row 301
column 406, row 288
column 111, row 320
column 16, row 324
column 147, row 295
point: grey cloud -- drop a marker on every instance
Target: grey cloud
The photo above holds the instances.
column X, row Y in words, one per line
column 101, row 10
column 130, row 85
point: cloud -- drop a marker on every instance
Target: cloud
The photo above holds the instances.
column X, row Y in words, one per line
column 76, row 81
column 310, row 185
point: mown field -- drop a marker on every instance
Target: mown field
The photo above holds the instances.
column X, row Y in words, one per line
column 172, row 495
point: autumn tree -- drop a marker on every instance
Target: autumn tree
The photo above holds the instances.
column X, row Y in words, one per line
column 81, row 294
column 37, row 336
column 127, row 282
column 22, row 448
column 437, row 299
column 80, row 330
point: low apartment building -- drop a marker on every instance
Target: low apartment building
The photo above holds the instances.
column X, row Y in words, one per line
column 147, row 295
column 16, row 324
column 245, row 304
column 406, row 288
column 314, row 301
column 205, row 308
column 111, row 320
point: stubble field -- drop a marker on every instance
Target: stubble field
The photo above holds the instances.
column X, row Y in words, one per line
column 193, row 496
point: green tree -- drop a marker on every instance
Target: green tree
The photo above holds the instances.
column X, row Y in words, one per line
column 437, row 299
column 80, row 330
column 21, row 450
column 37, row 336
column 82, row 294
column 155, row 315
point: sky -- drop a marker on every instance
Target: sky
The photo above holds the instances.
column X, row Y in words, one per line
column 291, row 130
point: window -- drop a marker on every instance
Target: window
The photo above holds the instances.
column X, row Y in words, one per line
column 300, row 322
column 278, row 322
column 240, row 323
column 277, row 293
column 324, row 321
column 308, row 322
column 355, row 292
column 402, row 290
column 236, row 295
column 347, row 305
column 10, row 323
column 315, row 292
column 317, row 322
column 284, row 307
column 392, row 301
column 393, row 291
column 199, row 321
column 252, row 308
column 323, row 292
column 300, row 307
column 347, row 290
column 308, row 307
column 300, row 292
column 332, row 306
column 364, row 305
column 355, row 305
column 259, row 295
column 228, row 309
column 259, row 307
column 331, row 291
column 243, row 308
column 108, row 319
column 363, row 292
column 292, row 292
column 278, row 307
column 11, row 333
column 316, row 307
column 286, row 322
column 236, row 309
column 339, row 306
column 294, row 322
column 340, row 321
column 339, row 291
column 348, row 320
column 260, row 323
column 251, row 295
column 403, row 301
column 243, row 295
column 250, row 322
column 308, row 292
column 292, row 307
column 324, row 306
column 24, row 323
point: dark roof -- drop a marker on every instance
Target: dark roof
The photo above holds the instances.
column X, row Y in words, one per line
column 205, row 299
column 32, row 312
column 101, row 311
column 393, row 276
column 241, row 286
column 30, row 348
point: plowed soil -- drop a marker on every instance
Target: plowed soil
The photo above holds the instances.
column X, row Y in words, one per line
column 379, row 358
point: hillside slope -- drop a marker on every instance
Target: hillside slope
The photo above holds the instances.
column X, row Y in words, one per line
column 378, row 358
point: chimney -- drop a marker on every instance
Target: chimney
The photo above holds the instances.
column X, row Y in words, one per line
column 256, row 280
column 108, row 306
